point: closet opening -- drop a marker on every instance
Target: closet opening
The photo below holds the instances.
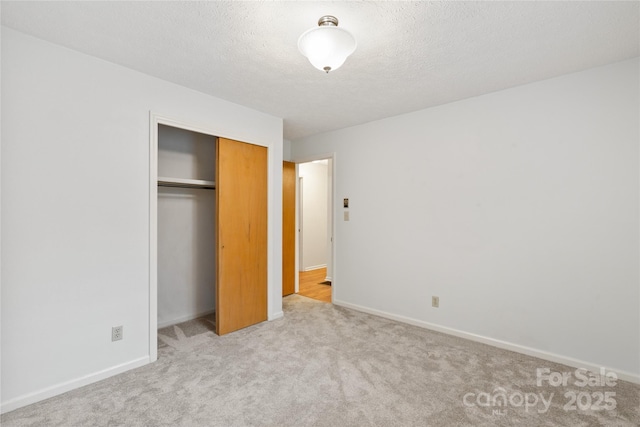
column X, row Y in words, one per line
column 208, row 202
column 186, row 247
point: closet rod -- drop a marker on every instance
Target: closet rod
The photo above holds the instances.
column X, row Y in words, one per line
column 204, row 187
column 186, row 183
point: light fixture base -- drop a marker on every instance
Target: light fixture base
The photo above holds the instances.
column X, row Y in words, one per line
column 328, row 21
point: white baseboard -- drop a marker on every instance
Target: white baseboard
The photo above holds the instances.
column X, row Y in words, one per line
column 315, row 267
column 328, row 279
column 275, row 316
column 184, row 318
column 64, row 387
column 552, row 357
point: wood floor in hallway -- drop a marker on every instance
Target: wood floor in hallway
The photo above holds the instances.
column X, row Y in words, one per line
column 310, row 285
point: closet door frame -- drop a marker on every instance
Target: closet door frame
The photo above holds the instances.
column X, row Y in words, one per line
column 274, row 274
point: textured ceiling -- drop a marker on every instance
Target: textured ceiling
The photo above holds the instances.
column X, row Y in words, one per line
column 410, row 55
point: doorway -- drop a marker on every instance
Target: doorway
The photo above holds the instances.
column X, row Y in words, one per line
column 315, row 236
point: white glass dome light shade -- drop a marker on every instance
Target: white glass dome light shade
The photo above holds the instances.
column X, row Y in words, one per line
column 327, row 46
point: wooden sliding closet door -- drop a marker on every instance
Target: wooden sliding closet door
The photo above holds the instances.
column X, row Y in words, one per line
column 288, row 228
column 241, row 234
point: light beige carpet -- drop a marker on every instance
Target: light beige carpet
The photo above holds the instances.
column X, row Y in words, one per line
column 324, row 365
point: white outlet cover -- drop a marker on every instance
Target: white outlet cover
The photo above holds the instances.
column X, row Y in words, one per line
column 116, row 333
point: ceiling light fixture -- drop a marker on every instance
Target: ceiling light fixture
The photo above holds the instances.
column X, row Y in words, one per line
column 327, row 46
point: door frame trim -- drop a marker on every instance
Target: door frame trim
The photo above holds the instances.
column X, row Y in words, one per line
column 299, row 224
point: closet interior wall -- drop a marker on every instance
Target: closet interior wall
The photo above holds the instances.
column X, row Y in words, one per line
column 186, row 227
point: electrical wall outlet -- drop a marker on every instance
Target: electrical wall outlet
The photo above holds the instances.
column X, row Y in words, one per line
column 435, row 302
column 116, row 333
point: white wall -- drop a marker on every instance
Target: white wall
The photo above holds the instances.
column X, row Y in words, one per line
column 186, row 227
column 75, row 220
column 519, row 209
column 286, row 150
column 314, row 225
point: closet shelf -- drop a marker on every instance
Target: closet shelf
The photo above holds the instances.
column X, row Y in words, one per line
column 164, row 181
